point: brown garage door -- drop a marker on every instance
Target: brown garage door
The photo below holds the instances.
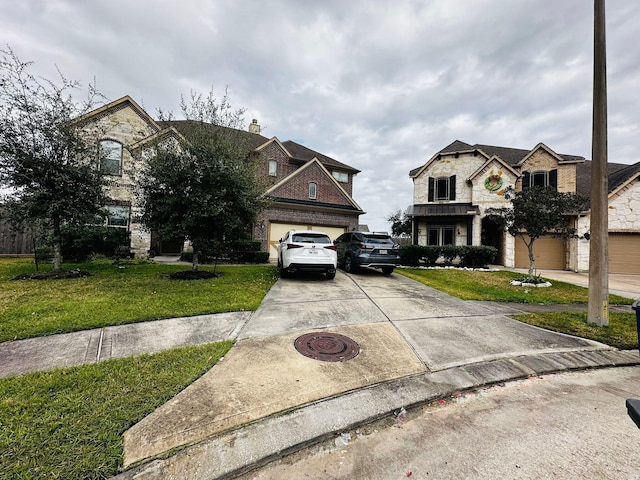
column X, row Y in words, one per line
column 548, row 252
column 624, row 253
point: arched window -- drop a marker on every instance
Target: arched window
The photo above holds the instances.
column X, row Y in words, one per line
column 110, row 157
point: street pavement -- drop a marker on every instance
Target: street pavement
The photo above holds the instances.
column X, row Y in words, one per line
column 265, row 399
column 563, row 426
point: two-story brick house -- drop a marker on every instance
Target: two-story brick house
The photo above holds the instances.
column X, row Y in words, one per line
column 306, row 189
column 456, row 186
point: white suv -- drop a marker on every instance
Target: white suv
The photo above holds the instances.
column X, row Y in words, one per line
column 307, row 251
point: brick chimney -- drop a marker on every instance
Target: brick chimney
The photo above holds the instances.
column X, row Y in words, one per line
column 254, row 127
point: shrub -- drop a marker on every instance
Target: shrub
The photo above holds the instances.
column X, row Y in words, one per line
column 477, row 256
column 470, row 256
column 449, row 253
column 411, row 255
column 81, row 242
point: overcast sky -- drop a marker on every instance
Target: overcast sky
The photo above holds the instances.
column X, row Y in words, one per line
column 378, row 85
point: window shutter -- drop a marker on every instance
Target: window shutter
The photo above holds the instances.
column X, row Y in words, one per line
column 553, row 179
column 525, row 179
column 452, row 187
column 432, row 187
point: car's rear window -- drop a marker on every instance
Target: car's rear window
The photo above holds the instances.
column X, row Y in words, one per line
column 378, row 239
column 310, row 238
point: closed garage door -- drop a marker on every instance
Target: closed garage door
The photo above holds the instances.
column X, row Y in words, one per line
column 548, row 253
column 624, row 253
column 277, row 231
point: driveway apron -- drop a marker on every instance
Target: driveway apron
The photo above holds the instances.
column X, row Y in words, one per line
column 402, row 327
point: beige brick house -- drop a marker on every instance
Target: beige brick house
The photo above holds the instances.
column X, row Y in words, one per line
column 456, row 186
column 308, row 190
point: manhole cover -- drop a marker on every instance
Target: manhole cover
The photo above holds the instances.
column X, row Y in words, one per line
column 327, row 347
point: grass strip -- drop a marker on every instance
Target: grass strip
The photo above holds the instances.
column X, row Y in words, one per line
column 620, row 333
column 118, row 294
column 68, row 423
column 495, row 286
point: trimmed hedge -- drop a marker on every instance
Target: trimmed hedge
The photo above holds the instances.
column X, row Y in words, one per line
column 468, row 255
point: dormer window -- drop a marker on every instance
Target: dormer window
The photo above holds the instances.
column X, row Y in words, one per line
column 342, row 177
column 110, row 153
column 540, row 178
column 273, row 168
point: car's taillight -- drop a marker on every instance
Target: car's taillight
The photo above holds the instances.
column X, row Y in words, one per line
column 331, row 247
column 362, row 246
column 293, row 245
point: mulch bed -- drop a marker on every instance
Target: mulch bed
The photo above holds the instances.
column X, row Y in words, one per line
column 53, row 275
column 191, row 275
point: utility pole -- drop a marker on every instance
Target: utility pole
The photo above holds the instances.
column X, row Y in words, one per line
column 598, row 311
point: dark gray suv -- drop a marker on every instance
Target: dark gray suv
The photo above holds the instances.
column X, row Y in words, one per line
column 367, row 249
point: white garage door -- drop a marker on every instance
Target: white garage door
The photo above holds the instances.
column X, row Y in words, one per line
column 277, row 231
column 624, row 253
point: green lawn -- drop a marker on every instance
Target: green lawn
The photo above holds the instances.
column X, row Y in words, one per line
column 495, row 286
column 620, row 333
column 117, row 294
column 68, row 423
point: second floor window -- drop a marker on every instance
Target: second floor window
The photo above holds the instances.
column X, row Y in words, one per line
column 340, row 176
column 273, row 168
column 540, row 178
column 442, row 188
column 110, row 157
column 313, row 191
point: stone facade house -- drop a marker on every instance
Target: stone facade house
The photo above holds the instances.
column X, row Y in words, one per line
column 456, row 186
column 306, row 189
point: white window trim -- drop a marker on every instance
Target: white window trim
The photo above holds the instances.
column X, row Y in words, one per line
column 313, row 190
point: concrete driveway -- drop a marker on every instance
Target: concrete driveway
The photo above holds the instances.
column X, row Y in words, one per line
column 405, row 330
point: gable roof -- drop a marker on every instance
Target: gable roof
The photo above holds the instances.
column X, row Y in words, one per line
column 116, row 105
column 499, row 161
column 314, row 161
column 255, row 141
column 619, row 174
column 302, row 153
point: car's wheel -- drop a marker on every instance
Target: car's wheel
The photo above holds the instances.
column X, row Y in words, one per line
column 349, row 265
column 283, row 272
column 387, row 270
column 331, row 275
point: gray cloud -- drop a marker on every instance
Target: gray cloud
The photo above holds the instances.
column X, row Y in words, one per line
column 378, row 85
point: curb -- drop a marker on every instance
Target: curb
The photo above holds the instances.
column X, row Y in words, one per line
column 254, row 445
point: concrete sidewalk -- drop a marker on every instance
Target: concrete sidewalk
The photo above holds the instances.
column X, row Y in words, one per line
column 416, row 344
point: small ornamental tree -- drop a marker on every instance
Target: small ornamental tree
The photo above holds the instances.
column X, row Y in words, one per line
column 46, row 166
column 536, row 212
column 203, row 190
column 400, row 224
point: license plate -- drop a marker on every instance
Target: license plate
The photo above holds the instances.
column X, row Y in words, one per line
column 382, row 252
column 313, row 252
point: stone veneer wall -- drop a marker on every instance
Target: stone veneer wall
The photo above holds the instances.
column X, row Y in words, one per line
column 624, row 216
column 127, row 127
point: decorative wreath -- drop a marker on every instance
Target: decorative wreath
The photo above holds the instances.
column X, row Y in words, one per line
column 493, row 182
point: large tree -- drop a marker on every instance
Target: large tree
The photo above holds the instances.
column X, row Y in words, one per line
column 537, row 211
column 46, row 165
column 203, row 189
